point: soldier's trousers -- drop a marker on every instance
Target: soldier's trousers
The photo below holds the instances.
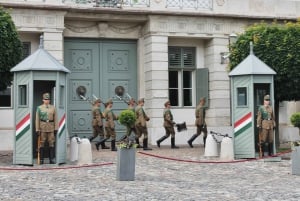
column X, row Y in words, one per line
column 110, row 133
column 47, row 137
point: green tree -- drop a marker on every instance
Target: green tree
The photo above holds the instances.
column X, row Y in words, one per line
column 277, row 45
column 10, row 48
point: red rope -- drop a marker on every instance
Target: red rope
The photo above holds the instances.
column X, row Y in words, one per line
column 55, row 168
column 194, row 161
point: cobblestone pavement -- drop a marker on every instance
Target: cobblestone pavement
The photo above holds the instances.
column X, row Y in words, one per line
column 189, row 176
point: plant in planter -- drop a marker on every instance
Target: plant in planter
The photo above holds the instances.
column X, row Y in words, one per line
column 127, row 118
column 126, row 153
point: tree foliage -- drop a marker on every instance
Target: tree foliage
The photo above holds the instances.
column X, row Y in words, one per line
column 10, row 48
column 277, row 45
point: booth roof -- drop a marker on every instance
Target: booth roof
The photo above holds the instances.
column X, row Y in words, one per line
column 252, row 66
column 40, row 60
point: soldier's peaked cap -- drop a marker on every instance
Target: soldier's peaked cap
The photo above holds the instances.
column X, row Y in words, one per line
column 109, row 101
column 267, row 97
column 46, row 96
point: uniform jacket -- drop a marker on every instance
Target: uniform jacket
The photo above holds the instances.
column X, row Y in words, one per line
column 168, row 118
column 97, row 116
column 200, row 116
column 109, row 117
column 46, row 118
column 266, row 117
column 141, row 116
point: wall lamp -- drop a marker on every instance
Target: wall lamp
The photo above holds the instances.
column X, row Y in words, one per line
column 225, row 55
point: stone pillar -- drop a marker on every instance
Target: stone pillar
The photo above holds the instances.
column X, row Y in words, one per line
column 53, row 43
column 156, row 82
column 218, row 114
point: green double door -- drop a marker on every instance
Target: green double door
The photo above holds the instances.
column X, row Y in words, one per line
column 97, row 68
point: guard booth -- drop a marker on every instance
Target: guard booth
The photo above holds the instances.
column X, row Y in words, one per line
column 251, row 80
column 37, row 74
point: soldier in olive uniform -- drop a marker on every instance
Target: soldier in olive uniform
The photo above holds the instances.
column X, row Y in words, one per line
column 266, row 124
column 46, row 126
column 200, row 123
column 97, row 124
column 131, row 106
column 168, row 125
column 140, row 124
column 110, row 124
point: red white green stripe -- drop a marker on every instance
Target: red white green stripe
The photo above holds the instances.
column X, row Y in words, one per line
column 22, row 127
column 242, row 124
column 62, row 125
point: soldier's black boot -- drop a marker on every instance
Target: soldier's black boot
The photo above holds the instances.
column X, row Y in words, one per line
column 103, row 146
column 270, row 149
column 160, row 140
column 41, row 155
column 137, row 141
column 190, row 141
column 113, row 145
column 51, row 155
column 97, row 145
column 145, row 144
column 204, row 141
column 173, row 146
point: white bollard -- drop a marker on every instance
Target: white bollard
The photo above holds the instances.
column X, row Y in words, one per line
column 74, row 149
column 211, row 147
column 227, row 149
column 84, row 152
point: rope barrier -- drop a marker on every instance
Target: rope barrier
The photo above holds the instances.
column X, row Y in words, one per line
column 194, row 161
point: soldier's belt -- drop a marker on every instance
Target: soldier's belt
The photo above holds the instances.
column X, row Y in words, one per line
column 47, row 120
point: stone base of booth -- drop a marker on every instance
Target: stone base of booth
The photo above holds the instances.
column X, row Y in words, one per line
column 126, row 164
column 296, row 160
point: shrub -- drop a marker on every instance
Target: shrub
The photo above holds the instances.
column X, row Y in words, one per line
column 295, row 119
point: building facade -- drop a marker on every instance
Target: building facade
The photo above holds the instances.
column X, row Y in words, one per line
column 155, row 49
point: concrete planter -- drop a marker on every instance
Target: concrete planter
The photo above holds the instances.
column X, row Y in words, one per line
column 296, row 160
column 126, row 164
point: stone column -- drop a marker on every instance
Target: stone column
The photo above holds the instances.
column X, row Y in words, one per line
column 53, row 43
column 155, row 82
column 218, row 114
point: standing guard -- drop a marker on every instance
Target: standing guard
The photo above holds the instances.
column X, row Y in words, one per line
column 46, row 126
column 200, row 123
column 141, row 125
column 169, row 126
column 266, row 123
column 97, row 124
column 110, row 124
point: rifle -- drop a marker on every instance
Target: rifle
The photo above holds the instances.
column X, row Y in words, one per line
column 38, row 148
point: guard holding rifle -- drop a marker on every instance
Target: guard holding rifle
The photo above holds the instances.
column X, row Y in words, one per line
column 266, row 124
column 46, row 126
column 97, row 124
column 110, row 117
column 141, row 125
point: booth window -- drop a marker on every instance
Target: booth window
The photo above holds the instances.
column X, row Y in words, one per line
column 62, row 96
column 5, row 97
column 242, row 96
column 22, row 95
column 182, row 67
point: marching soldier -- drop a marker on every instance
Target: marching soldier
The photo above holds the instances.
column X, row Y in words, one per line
column 168, row 125
column 140, row 124
column 97, row 124
column 266, row 124
column 131, row 107
column 46, row 126
column 110, row 124
column 200, row 123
